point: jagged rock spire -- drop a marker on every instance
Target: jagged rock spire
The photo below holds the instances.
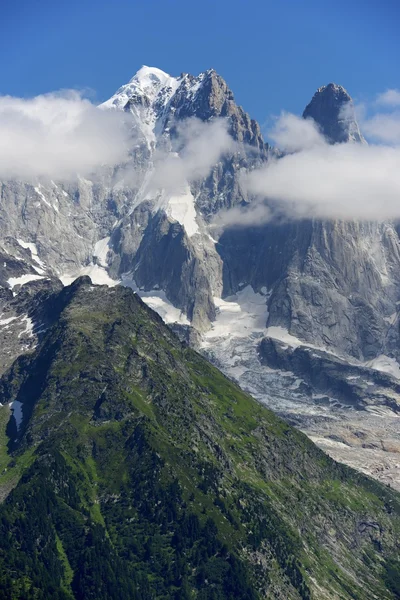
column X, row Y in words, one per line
column 333, row 109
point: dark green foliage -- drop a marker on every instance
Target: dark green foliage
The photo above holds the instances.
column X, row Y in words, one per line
column 147, row 475
column 392, row 576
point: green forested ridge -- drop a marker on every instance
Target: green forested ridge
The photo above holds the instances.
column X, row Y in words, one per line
column 141, row 472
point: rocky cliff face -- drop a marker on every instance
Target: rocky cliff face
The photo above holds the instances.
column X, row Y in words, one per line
column 332, row 108
column 333, row 285
column 180, row 258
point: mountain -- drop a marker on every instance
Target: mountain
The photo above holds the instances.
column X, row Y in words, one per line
column 164, row 238
column 268, row 305
column 136, row 470
column 332, row 108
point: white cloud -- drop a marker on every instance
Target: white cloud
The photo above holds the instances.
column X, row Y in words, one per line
column 389, row 98
column 341, row 181
column 256, row 213
column 198, row 147
column 346, row 181
column 57, row 136
column 384, row 127
column 292, row 134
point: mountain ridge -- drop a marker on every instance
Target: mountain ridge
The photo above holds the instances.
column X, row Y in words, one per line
column 142, row 472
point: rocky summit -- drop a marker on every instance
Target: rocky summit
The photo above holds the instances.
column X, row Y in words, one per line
column 330, row 288
column 132, row 468
column 333, row 110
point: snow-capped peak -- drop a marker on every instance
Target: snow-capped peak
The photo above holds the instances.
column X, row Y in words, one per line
column 148, row 95
column 148, row 82
column 151, row 78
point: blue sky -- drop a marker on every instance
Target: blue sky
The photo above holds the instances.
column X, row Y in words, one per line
column 273, row 54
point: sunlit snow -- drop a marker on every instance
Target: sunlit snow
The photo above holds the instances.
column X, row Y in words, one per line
column 41, row 195
column 101, row 250
column 28, row 331
column 158, row 301
column 7, row 321
column 13, row 281
column 385, row 364
column 97, row 274
column 34, row 253
column 181, row 208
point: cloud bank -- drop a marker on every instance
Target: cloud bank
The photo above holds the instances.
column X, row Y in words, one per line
column 290, row 133
column 384, row 127
column 197, row 148
column 57, row 136
column 315, row 179
column 389, row 98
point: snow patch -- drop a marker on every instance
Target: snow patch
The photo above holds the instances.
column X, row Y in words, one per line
column 181, row 208
column 7, row 321
column 282, row 334
column 158, row 301
column 239, row 315
column 97, row 274
column 28, row 331
column 100, row 251
column 296, row 384
column 327, row 442
column 386, row 364
column 392, row 318
column 34, row 253
column 214, row 241
column 148, row 81
column 41, row 195
column 23, row 279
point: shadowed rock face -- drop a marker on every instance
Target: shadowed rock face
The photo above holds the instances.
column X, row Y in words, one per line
column 332, row 108
column 328, row 377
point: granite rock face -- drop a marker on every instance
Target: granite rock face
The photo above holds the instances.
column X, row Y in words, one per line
column 342, row 292
column 172, row 256
column 333, row 284
column 332, row 108
column 168, row 259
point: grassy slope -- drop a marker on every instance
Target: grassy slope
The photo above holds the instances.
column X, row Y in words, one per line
column 162, row 479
